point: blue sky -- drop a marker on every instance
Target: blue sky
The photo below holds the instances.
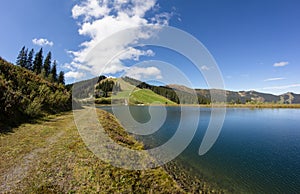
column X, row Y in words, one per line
column 256, row 43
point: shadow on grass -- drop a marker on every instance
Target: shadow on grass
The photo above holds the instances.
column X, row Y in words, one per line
column 10, row 126
column 5, row 129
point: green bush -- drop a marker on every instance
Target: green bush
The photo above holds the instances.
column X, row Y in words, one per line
column 34, row 108
column 25, row 95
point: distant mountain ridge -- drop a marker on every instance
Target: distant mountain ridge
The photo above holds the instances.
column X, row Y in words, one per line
column 246, row 96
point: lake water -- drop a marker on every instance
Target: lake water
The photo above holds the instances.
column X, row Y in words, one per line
column 257, row 151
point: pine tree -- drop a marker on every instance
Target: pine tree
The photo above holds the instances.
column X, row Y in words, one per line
column 47, row 64
column 24, row 60
column 38, row 62
column 61, row 78
column 29, row 60
column 53, row 74
column 22, row 57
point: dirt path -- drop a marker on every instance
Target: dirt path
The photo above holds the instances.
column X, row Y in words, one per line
column 11, row 177
column 17, row 173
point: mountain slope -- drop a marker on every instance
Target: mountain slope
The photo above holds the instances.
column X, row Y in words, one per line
column 290, row 98
column 121, row 91
column 145, row 96
column 245, row 96
column 25, row 95
column 186, row 94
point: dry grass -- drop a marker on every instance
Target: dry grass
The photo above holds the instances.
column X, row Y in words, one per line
column 50, row 157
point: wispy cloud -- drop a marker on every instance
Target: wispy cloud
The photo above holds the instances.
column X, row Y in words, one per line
column 42, row 42
column 282, row 87
column 274, row 79
column 281, row 64
column 204, row 68
column 100, row 19
column 244, row 75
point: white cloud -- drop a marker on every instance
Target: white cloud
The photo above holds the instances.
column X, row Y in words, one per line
column 42, row 42
column 204, row 68
column 76, row 75
column 90, row 9
column 100, row 19
column 281, row 64
column 144, row 73
column 282, row 87
column 274, row 79
column 135, row 54
column 73, row 66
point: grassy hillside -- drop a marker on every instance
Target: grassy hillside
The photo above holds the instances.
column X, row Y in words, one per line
column 141, row 96
column 135, row 94
column 25, row 95
column 145, row 96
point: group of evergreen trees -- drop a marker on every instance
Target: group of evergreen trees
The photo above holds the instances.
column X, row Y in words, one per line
column 104, row 88
column 37, row 64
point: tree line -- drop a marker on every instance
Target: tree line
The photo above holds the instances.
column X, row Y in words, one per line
column 35, row 62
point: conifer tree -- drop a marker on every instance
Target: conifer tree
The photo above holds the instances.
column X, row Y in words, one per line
column 38, row 62
column 61, row 78
column 24, row 60
column 22, row 57
column 47, row 64
column 29, row 64
column 53, row 75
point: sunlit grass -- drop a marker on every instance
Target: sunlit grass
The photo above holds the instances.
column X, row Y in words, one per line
column 145, row 96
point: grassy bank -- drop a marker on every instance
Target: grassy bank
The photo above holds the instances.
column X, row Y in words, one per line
column 267, row 105
column 50, row 157
column 236, row 105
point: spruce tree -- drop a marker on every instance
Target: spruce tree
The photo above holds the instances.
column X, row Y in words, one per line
column 53, row 76
column 61, row 78
column 24, row 60
column 38, row 62
column 22, row 57
column 29, row 60
column 19, row 58
column 47, row 64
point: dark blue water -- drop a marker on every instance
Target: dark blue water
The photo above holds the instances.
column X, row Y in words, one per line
column 258, row 150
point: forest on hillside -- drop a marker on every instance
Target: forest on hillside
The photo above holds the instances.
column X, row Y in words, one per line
column 27, row 94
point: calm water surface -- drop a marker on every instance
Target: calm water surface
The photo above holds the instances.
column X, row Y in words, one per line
column 258, row 150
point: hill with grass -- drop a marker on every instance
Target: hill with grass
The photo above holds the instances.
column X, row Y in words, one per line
column 121, row 91
column 24, row 95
